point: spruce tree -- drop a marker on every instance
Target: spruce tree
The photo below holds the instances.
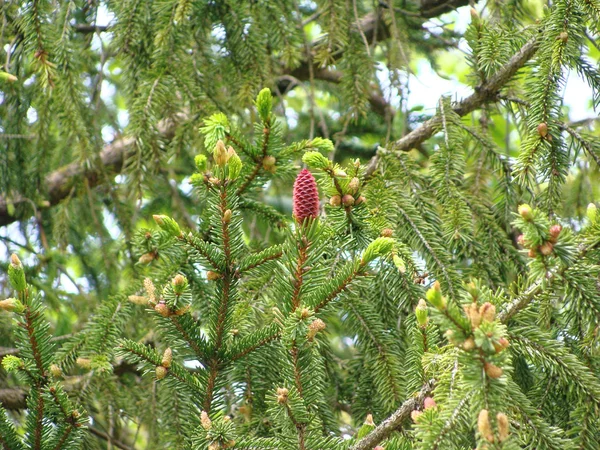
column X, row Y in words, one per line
column 218, row 277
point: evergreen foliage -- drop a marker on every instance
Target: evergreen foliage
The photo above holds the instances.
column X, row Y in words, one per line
column 444, row 295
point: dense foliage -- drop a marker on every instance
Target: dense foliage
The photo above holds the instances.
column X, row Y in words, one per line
column 197, row 261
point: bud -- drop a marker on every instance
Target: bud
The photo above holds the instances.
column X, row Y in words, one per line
column 340, row 173
column 16, row 274
column 138, row 300
column 316, row 160
column 591, row 212
column 179, row 284
column 359, row 200
column 347, row 200
column 162, row 309
column 354, row 185
column 12, row 305
column 369, row 420
column 492, row 370
column 167, row 358
column 542, row 129
column 150, row 289
column 421, row 313
column 414, row 415
column 315, row 326
column 563, row 36
column 160, row 372
column 282, row 395
column 264, row 104
column 429, row 403
column 205, row 421
column 469, row 344
column 12, row 363
column 399, row 263
column 268, row 163
column 501, row 345
column 305, row 313
column 356, row 163
column 220, row 154
column 5, row 76
column 147, row 258
column 474, row 15
column 379, row 447
column 200, row 161
column 546, row 248
column 521, row 240
column 214, row 446
column 305, row 197
column 214, row 181
column 472, row 312
column 227, row 216
column 554, row 232
column 379, row 247
column 212, row 276
column 532, row 253
column 387, row 232
column 55, row 370
column 434, row 296
column 167, row 224
column 449, row 334
column 488, row 312
column 335, row 200
column 484, row 426
column 526, row 212
column 234, row 164
column 84, row 363
column 503, row 426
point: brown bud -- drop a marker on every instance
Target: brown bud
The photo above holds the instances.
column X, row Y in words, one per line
column 205, row 421
column 316, row 326
column 492, row 370
column 428, row 403
column 542, row 129
column 167, row 358
column 387, row 232
column 15, row 261
column 220, row 154
column 150, row 288
column 282, row 395
column 55, row 370
column 503, row 426
column 488, row 312
column 335, row 200
column 268, row 163
column 179, row 283
column 353, row 185
column 162, row 309
column 138, row 299
column 564, row 36
column 472, row 312
column 84, row 363
column 360, row 200
column 484, row 426
column 414, row 415
column 160, row 372
column 304, row 313
column 521, row 240
column 532, row 253
column 525, row 211
column 369, row 420
column 501, row 344
column 148, row 235
column 469, row 344
column 227, row 216
column 546, row 248
column 212, row 276
column 554, row 232
column 147, row 258
column 348, row 200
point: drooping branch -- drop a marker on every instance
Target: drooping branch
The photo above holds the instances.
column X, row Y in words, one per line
column 13, row 399
column 394, row 422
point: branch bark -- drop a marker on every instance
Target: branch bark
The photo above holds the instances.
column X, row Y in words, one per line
column 394, row 422
column 484, row 93
column 13, row 399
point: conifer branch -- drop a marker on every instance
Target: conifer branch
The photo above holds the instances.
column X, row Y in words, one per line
column 486, row 92
column 394, row 422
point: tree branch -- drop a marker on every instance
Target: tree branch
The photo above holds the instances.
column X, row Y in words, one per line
column 484, row 93
column 13, row 399
column 394, row 422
